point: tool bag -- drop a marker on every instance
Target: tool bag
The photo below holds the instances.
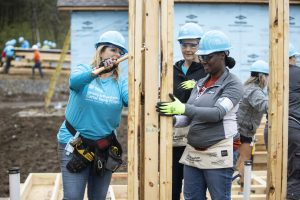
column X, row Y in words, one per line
column 110, row 159
column 114, row 156
column 81, row 158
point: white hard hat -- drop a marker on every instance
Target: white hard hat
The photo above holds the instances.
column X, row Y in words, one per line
column 35, row 47
column 21, row 39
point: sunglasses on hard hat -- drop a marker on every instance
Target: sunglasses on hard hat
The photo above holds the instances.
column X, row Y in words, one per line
column 185, row 45
column 115, row 49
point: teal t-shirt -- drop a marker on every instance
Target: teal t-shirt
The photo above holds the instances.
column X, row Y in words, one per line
column 95, row 104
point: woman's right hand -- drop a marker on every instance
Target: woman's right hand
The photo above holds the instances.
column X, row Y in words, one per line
column 105, row 66
column 108, row 63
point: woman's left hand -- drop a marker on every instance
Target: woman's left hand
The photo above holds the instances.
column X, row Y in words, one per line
column 187, row 85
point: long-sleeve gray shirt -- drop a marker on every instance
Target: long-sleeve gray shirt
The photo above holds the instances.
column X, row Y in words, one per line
column 252, row 107
column 212, row 114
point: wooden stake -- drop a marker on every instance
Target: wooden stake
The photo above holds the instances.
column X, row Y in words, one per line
column 56, row 74
column 166, row 127
column 278, row 95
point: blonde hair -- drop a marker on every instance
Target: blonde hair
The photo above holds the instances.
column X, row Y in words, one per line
column 261, row 80
column 97, row 60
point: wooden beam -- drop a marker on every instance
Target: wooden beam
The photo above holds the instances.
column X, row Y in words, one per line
column 252, row 197
column 223, row 1
column 278, row 95
column 120, row 192
column 151, row 180
column 232, row 1
column 120, row 8
column 166, row 127
column 57, row 185
column 134, row 100
column 25, row 190
column 56, row 74
column 94, row 8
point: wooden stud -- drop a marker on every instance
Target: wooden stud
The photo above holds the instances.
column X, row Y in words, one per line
column 134, row 100
column 278, row 95
column 151, row 189
column 166, row 127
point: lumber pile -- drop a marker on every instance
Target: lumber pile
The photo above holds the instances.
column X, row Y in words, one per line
column 50, row 58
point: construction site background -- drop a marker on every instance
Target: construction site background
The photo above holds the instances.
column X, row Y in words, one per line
column 35, row 20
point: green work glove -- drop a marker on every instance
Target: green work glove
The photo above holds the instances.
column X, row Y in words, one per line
column 187, row 85
column 170, row 108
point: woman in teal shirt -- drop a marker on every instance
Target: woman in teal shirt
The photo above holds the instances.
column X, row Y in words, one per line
column 97, row 96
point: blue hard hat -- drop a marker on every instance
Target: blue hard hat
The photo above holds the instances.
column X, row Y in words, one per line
column 11, row 42
column 190, row 31
column 114, row 38
column 260, row 66
column 293, row 51
column 213, row 41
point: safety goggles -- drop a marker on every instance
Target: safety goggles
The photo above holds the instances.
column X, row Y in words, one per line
column 206, row 58
column 185, row 45
column 115, row 49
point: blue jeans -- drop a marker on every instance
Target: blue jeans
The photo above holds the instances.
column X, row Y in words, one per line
column 74, row 183
column 197, row 181
column 39, row 66
column 177, row 173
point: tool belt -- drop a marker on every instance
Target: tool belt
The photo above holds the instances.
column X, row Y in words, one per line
column 217, row 156
column 103, row 154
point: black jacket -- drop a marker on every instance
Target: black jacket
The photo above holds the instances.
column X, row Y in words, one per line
column 195, row 71
column 294, row 91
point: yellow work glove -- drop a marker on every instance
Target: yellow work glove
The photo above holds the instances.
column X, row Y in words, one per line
column 175, row 107
column 187, row 85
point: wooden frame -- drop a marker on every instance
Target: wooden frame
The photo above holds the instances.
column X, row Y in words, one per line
column 49, row 186
column 149, row 184
column 278, row 106
column 154, row 182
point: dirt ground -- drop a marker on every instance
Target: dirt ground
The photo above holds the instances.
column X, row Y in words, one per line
column 28, row 132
